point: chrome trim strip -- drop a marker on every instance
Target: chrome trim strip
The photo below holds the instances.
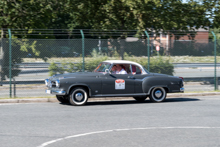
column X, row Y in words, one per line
column 117, row 95
column 131, row 68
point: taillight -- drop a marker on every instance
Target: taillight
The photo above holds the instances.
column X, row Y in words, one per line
column 181, row 78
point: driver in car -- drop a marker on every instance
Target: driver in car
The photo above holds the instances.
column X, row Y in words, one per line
column 114, row 69
column 120, row 69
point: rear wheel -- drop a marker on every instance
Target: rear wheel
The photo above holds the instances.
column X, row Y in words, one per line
column 78, row 96
column 158, row 94
column 62, row 99
column 140, row 98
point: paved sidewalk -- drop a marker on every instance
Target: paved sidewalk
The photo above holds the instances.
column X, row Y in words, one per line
column 44, row 100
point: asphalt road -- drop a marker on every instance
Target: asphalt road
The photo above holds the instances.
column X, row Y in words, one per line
column 192, row 121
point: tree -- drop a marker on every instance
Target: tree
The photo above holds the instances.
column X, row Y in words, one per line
column 22, row 14
column 153, row 15
column 215, row 14
column 140, row 15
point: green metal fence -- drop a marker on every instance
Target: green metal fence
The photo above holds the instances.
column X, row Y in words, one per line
column 27, row 62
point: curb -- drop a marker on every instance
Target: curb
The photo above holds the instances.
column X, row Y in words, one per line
column 30, row 100
column 44, row 100
column 192, row 94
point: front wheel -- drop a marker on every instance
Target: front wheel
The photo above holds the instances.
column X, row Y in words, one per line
column 62, row 99
column 78, row 96
column 158, row 94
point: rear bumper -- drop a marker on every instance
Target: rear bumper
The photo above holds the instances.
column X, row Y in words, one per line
column 56, row 92
column 182, row 89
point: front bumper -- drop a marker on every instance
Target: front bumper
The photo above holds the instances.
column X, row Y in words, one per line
column 56, row 92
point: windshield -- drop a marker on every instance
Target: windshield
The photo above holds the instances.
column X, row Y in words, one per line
column 102, row 67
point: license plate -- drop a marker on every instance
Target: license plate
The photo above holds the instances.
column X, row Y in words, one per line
column 48, row 91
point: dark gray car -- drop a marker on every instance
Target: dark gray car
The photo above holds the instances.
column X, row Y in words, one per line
column 137, row 82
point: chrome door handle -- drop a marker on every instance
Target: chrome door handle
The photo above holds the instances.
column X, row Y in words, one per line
column 131, row 77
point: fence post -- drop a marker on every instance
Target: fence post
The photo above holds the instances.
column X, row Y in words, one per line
column 9, row 33
column 215, row 81
column 148, row 50
column 14, row 82
column 83, row 65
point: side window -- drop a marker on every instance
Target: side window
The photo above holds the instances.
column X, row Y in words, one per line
column 135, row 69
column 138, row 71
column 128, row 68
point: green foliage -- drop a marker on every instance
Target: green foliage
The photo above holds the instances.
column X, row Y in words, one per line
column 105, row 15
column 90, row 65
column 24, row 14
column 217, row 33
column 5, row 64
column 139, row 14
column 30, row 48
column 55, row 69
column 161, row 66
column 157, row 65
column 108, row 14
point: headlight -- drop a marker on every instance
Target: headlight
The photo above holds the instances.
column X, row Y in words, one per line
column 57, row 83
column 46, row 82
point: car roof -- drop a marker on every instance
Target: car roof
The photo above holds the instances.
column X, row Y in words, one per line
column 122, row 62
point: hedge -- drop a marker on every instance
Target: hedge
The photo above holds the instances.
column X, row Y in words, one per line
column 157, row 65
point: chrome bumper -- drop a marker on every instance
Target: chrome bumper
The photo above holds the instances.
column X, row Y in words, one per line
column 56, row 92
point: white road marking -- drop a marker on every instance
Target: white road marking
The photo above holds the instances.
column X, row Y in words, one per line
column 9, row 104
column 126, row 129
column 27, row 103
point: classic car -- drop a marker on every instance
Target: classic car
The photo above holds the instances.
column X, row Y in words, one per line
column 76, row 88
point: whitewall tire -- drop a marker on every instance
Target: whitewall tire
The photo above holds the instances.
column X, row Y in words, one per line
column 158, row 94
column 78, row 96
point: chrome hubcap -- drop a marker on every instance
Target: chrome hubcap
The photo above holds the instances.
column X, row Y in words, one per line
column 158, row 93
column 79, row 96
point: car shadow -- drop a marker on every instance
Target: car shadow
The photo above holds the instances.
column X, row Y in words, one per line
column 130, row 102
column 124, row 102
column 180, row 99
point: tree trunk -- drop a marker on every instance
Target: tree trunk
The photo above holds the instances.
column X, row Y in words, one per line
column 1, row 56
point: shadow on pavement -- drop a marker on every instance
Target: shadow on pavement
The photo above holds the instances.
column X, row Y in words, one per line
column 124, row 102
column 129, row 102
column 181, row 99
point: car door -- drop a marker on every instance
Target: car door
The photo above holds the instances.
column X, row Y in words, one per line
column 138, row 76
column 118, row 84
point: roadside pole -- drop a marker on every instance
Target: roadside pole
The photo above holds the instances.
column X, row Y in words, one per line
column 83, row 38
column 9, row 33
column 148, row 50
column 215, row 79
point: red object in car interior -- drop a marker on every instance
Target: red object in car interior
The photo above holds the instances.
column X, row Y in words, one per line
column 181, row 78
